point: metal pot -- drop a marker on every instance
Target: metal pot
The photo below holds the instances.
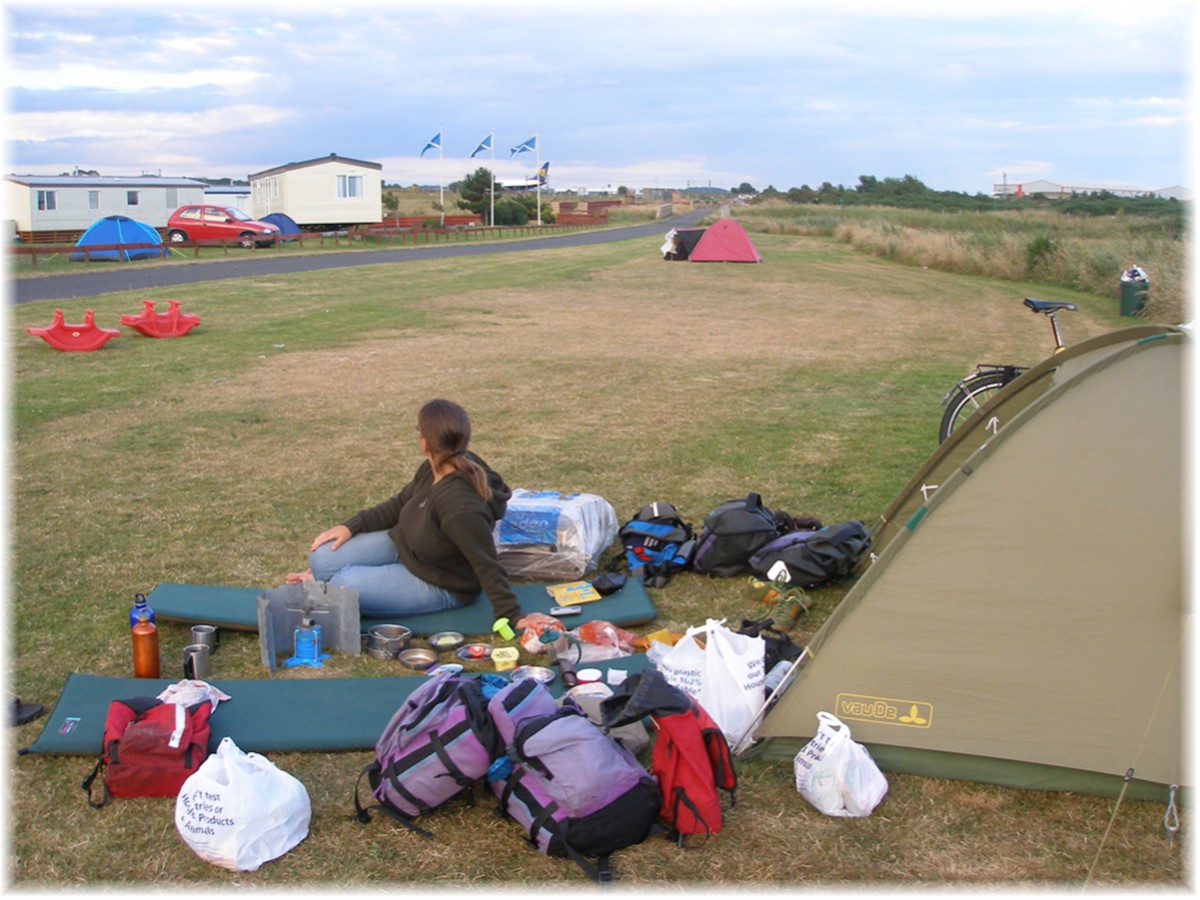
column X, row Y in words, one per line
column 387, row 640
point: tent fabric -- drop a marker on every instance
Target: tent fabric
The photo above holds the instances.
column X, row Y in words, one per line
column 1025, row 625
column 261, row 716
column 119, row 230
column 725, row 240
column 285, row 223
column 237, row 608
column 1002, row 407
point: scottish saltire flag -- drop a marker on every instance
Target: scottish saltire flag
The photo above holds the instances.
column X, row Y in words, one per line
column 485, row 144
column 525, row 147
column 435, row 143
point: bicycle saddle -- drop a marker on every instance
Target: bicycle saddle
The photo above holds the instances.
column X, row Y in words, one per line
column 1045, row 306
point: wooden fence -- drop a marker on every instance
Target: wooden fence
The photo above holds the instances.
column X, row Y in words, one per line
column 360, row 236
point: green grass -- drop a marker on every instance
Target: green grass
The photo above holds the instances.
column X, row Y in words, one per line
column 813, row 379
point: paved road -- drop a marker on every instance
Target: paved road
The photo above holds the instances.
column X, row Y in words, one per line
column 101, row 278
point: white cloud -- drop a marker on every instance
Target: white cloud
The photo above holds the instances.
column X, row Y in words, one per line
column 70, row 76
column 200, row 127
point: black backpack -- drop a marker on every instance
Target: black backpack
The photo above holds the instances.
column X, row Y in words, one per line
column 814, row 557
column 732, row 533
column 657, row 543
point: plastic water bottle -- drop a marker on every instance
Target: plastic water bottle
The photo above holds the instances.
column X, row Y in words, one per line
column 145, row 646
column 776, row 675
column 139, row 603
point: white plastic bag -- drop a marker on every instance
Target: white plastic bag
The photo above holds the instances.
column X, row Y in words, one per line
column 725, row 676
column 238, row 810
column 836, row 775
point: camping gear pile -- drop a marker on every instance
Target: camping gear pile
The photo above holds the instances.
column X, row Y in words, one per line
column 570, row 780
column 565, row 770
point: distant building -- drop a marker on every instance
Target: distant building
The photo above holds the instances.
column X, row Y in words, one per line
column 332, row 191
column 70, row 203
column 1054, row 191
column 235, row 195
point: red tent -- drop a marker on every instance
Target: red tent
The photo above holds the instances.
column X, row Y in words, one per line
column 725, row 240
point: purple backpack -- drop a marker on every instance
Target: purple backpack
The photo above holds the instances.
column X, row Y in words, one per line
column 437, row 745
column 575, row 791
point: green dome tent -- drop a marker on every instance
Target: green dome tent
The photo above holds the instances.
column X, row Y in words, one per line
column 119, row 230
column 1022, row 619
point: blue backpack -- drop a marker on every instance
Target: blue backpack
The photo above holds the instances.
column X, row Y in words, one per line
column 575, row 791
column 657, row 543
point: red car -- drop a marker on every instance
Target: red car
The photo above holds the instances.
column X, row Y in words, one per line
column 205, row 223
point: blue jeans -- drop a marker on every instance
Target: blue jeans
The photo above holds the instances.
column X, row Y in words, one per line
column 368, row 563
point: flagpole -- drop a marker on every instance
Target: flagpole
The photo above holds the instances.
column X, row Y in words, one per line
column 537, row 173
column 492, row 195
column 441, row 177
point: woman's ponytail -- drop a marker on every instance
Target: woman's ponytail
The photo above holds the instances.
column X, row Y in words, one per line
column 447, row 432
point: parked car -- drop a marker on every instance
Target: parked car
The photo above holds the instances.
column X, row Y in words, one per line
column 204, row 223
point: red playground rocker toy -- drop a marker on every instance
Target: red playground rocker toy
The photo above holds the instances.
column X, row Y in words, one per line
column 170, row 324
column 74, row 338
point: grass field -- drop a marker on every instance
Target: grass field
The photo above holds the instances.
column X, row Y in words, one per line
column 813, row 379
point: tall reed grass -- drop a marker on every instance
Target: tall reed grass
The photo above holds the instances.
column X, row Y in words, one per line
column 1086, row 254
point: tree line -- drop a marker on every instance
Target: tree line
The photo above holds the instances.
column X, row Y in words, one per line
column 910, row 192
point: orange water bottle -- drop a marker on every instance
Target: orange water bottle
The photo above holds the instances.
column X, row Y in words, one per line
column 145, row 646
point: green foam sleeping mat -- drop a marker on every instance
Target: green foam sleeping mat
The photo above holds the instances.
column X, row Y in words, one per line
column 279, row 715
column 237, row 608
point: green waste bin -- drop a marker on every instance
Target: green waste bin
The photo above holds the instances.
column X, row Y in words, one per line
column 1135, row 289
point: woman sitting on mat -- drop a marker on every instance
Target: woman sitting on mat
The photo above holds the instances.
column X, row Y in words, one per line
column 430, row 547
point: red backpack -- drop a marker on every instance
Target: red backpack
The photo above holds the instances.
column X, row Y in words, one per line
column 150, row 748
column 692, row 761
column 691, row 757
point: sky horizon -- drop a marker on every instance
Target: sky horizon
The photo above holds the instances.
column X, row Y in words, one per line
column 960, row 96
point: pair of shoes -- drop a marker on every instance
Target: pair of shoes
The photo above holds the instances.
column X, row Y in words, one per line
column 790, row 605
column 24, row 712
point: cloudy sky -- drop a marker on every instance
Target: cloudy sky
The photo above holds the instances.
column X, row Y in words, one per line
column 960, row 94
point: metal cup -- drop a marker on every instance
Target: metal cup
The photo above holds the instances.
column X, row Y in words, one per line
column 207, row 635
column 196, row 662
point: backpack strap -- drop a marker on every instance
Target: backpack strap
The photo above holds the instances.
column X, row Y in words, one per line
column 363, row 813
column 681, row 798
column 87, row 786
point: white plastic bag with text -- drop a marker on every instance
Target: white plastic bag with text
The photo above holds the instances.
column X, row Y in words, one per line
column 239, row 811
column 725, row 675
column 836, row 775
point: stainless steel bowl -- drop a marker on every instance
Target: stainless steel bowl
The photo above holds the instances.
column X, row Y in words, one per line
column 543, row 674
column 418, row 658
column 446, row 640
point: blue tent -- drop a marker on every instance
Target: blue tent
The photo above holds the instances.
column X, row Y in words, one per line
column 285, row 223
column 119, row 230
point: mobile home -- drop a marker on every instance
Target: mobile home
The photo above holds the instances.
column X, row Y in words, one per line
column 329, row 192
column 71, row 203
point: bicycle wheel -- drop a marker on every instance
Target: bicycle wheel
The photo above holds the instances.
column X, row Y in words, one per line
column 969, row 396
